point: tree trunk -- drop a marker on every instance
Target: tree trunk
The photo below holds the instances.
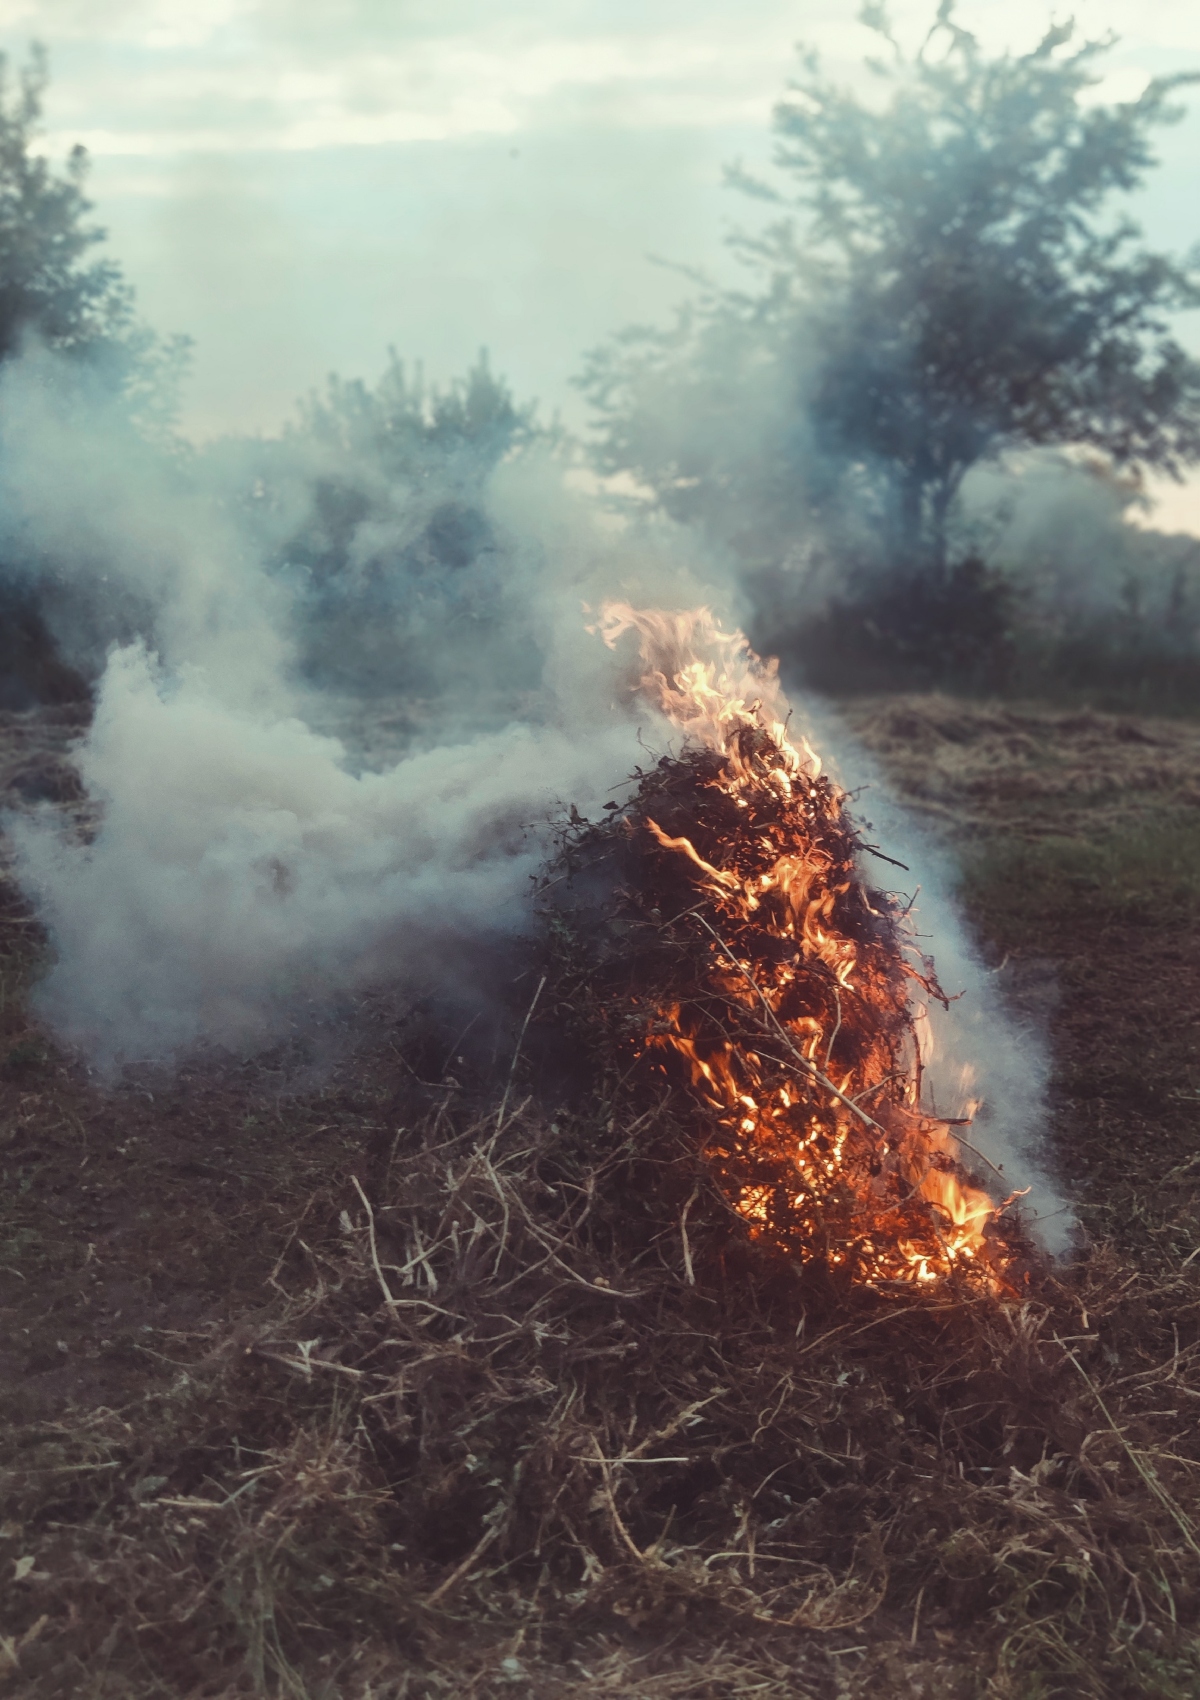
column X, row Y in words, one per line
column 909, row 528
column 939, row 506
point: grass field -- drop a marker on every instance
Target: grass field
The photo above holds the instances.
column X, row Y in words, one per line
column 321, row 1380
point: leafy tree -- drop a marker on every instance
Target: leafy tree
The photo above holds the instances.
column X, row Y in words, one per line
column 403, row 421
column 77, row 313
column 51, row 291
column 399, row 469
column 373, row 506
column 946, row 279
column 712, row 416
column 47, row 286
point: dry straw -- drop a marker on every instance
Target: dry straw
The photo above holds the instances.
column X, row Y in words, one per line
column 539, row 1407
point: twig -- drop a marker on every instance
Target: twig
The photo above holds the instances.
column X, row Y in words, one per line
column 616, row 1463
column 453, row 1051
column 307, row 1364
column 687, row 1250
column 618, row 1523
column 457, row 1574
column 579, row 1280
column 502, row 1240
column 279, row 1261
column 878, row 1085
column 837, row 998
column 976, row 1152
column 912, row 1640
column 1182, row 1521
column 387, row 1291
column 809, row 1068
column 874, row 850
column 658, row 1435
column 517, row 1053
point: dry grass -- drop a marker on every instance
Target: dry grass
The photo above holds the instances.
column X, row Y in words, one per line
column 488, row 1432
column 521, row 1410
column 978, row 768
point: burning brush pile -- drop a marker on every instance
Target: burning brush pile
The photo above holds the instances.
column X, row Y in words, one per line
column 748, row 963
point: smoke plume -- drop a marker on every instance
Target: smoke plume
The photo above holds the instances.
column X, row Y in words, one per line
column 272, row 830
column 247, row 862
column 980, row 1060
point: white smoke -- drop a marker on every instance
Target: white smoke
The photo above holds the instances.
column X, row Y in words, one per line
column 1071, row 535
column 134, row 538
column 246, row 866
column 981, row 1061
column 241, row 870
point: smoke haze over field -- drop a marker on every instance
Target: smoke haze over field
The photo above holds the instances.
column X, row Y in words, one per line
column 242, row 873
column 343, row 673
column 248, row 867
column 245, row 864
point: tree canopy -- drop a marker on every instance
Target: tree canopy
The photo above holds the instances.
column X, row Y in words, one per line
column 372, row 505
column 53, row 293
column 47, row 284
column 74, row 314
column 946, row 277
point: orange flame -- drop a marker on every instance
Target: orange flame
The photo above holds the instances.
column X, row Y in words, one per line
column 819, row 1136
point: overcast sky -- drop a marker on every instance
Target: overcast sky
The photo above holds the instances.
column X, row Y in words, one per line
column 298, row 184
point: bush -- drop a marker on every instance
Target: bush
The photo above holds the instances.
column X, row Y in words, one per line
column 955, row 629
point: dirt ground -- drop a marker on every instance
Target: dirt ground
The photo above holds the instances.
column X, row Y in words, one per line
column 139, row 1222
column 161, row 1204
column 1080, row 840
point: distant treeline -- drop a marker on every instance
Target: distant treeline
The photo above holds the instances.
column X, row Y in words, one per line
column 914, row 441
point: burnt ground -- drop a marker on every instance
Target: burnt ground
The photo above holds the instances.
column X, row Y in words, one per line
column 138, row 1224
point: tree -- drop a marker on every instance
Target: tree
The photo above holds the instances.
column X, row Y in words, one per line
column 712, row 416
column 373, row 506
column 46, row 286
column 398, row 471
column 51, row 292
column 76, row 315
column 948, row 260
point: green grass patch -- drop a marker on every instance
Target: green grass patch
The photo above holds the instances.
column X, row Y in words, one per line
column 1148, row 874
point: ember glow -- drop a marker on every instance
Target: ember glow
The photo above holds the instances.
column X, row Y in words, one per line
column 796, row 1015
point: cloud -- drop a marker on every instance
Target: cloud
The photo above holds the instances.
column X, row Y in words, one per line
column 147, row 78
column 142, row 77
column 622, row 114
